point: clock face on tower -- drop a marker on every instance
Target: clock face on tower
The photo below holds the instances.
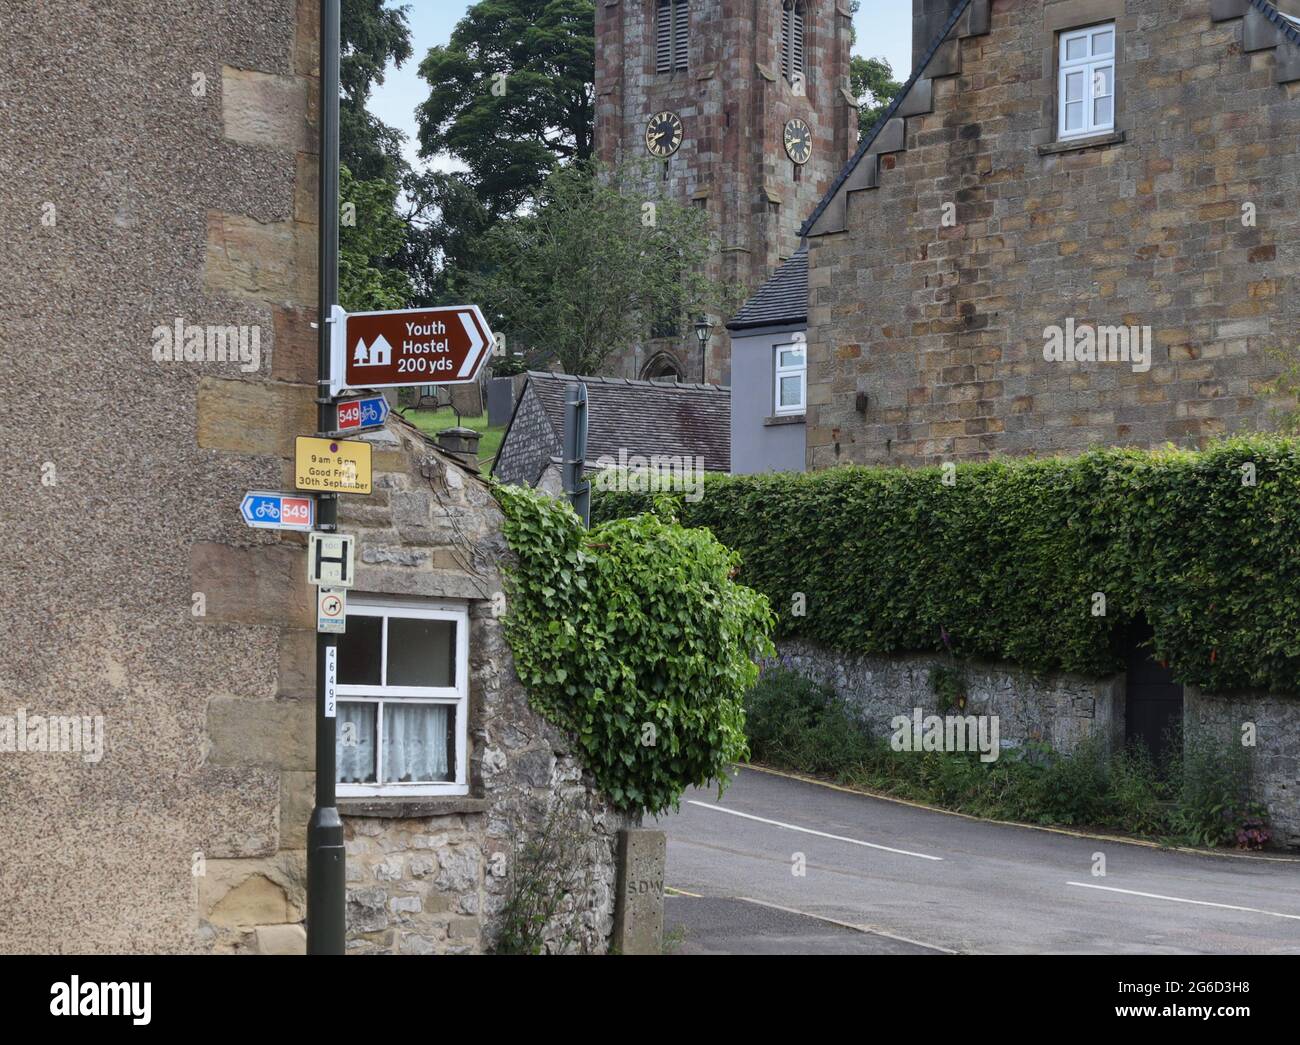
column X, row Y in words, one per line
column 663, row 134
column 798, row 141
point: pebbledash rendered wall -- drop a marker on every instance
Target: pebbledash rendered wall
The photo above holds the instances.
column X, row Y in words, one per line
column 941, row 326
column 429, row 875
column 1063, row 710
column 160, row 159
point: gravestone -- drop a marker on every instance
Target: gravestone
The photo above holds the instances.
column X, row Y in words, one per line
column 467, row 400
column 501, row 401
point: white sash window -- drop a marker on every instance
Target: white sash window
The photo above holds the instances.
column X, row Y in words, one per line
column 403, row 696
column 1086, row 88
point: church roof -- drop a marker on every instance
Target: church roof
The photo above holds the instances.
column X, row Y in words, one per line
column 782, row 300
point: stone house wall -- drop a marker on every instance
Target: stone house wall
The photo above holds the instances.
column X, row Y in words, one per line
column 942, row 326
column 163, row 160
column 430, row 875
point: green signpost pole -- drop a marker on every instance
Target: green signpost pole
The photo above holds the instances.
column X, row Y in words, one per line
column 326, row 889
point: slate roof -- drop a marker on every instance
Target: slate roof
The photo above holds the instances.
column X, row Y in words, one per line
column 783, row 299
column 1290, row 24
column 644, row 417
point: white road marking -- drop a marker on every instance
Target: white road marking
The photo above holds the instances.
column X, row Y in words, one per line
column 1180, row 899
column 873, row 930
column 810, row 831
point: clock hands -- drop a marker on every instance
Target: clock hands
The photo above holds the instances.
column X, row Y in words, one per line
column 663, row 134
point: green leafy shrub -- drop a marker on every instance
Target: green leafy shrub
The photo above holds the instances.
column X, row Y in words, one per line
column 1139, row 792
column 1214, row 800
column 634, row 638
column 949, row 687
column 1074, row 788
column 1205, row 799
column 795, row 722
column 1008, row 559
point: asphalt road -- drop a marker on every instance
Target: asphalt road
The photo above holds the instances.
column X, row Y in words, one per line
column 882, row 877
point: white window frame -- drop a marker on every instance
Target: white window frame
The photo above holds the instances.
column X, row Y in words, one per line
column 456, row 696
column 789, row 371
column 1089, row 66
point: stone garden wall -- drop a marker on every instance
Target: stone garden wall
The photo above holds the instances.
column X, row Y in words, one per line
column 1058, row 709
column 1276, row 753
column 1062, row 710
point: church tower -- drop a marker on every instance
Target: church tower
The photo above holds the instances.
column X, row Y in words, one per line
column 741, row 107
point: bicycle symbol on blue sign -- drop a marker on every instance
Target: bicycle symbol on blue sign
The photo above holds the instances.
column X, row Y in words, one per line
column 277, row 511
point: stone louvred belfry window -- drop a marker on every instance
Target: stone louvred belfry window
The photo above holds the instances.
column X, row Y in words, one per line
column 792, row 48
column 672, row 35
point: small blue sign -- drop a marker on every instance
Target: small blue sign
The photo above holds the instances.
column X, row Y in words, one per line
column 356, row 414
column 278, row 511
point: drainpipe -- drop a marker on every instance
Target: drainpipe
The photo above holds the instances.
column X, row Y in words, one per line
column 575, row 450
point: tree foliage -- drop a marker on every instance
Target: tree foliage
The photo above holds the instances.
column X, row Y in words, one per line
column 511, row 95
column 445, row 223
column 635, row 640
column 372, row 36
column 372, row 236
column 592, row 264
column 873, row 84
column 367, row 282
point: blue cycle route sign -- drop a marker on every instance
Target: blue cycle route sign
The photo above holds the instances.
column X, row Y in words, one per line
column 355, row 414
column 278, row 511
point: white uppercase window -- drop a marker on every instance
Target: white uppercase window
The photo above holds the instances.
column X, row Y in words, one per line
column 791, row 378
column 1086, row 89
column 403, row 691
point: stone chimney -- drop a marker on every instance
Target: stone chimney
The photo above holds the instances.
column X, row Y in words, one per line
column 462, row 444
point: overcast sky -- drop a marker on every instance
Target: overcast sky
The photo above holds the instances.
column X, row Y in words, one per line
column 884, row 30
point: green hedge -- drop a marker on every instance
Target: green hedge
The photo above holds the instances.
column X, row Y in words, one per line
column 1005, row 562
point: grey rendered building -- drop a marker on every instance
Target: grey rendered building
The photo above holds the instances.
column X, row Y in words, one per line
column 769, row 373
